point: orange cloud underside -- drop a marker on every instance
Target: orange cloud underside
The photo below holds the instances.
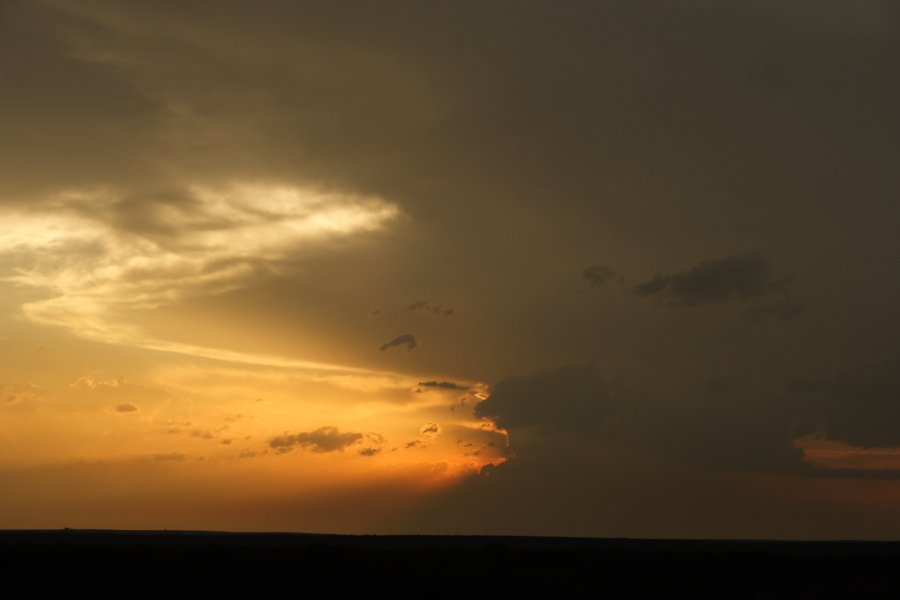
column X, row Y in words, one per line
column 834, row 454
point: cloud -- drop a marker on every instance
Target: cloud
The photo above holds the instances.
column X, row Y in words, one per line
column 862, row 409
column 401, row 340
column 126, row 408
column 93, row 382
column 99, row 252
column 716, row 280
column 706, row 427
column 15, row 394
column 597, row 274
column 376, row 438
column 567, row 398
column 369, row 451
column 324, row 439
column 170, row 457
column 424, row 306
column 501, row 185
column 444, row 385
column 430, row 428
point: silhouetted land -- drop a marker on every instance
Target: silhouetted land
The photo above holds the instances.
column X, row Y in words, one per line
column 305, row 565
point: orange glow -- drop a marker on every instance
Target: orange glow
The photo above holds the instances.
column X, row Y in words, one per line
column 833, row 454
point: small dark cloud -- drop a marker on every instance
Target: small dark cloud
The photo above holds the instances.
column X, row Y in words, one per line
column 246, row 453
column 414, row 444
column 170, row 457
column 202, row 434
column 376, row 313
column 784, row 311
column 324, row 439
column 430, row 428
column 417, row 305
column 226, row 442
column 401, row 340
column 435, row 309
column 376, row 438
column 126, row 408
column 369, row 451
column 597, row 274
column 716, row 280
column 444, row 385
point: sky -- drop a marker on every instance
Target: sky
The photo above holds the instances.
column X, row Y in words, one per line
column 613, row 268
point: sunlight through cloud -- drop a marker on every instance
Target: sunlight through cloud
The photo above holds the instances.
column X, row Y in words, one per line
column 96, row 264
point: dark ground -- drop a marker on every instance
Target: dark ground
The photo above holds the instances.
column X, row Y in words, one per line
column 302, row 566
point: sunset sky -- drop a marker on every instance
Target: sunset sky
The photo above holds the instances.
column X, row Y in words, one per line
column 611, row 268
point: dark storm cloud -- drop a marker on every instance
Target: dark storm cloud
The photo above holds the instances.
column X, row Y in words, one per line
column 568, row 399
column 324, row 439
column 597, row 274
column 401, row 340
column 715, row 280
column 862, row 409
column 443, row 385
column 708, row 427
column 126, row 408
